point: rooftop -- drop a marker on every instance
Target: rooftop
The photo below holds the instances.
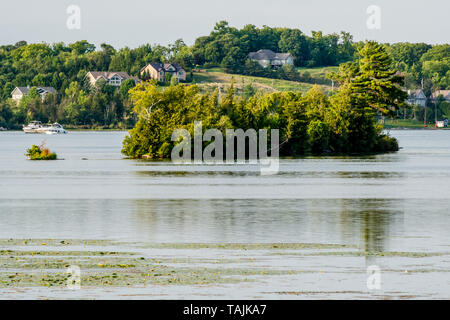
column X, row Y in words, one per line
column 40, row 90
column 265, row 54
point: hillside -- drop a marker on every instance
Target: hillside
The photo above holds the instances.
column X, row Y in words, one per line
column 209, row 79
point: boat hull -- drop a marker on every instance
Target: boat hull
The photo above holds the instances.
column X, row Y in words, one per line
column 31, row 131
column 53, row 129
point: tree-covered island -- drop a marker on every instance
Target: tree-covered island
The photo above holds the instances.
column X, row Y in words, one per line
column 315, row 123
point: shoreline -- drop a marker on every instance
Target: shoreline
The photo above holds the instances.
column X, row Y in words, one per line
column 388, row 127
column 74, row 130
column 413, row 128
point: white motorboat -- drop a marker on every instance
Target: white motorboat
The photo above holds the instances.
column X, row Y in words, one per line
column 55, row 128
column 37, row 127
column 33, row 127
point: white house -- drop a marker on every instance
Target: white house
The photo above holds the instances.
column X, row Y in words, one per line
column 112, row 78
column 268, row 58
column 19, row 92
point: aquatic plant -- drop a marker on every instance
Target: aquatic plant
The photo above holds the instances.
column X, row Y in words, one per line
column 40, row 153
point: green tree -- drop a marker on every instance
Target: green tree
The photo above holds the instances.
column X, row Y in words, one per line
column 82, row 47
column 376, row 84
column 6, row 115
column 125, row 88
column 367, row 87
column 295, row 42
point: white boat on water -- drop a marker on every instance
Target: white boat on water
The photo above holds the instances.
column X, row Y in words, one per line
column 55, row 128
column 33, row 127
column 37, row 127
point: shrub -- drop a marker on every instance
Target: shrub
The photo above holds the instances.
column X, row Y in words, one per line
column 40, row 153
column 386, row 144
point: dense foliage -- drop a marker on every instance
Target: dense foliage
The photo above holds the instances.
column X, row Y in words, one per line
column 40, row 153
column 64, row 67
column 422, row 62
column 313, row 123
column 230, row 46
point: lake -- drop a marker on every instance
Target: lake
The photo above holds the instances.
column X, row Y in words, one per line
column 397, row 204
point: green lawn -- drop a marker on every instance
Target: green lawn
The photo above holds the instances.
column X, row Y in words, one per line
column 405, row 123
column 216, row 77
column 319, row 72
column 317, row 75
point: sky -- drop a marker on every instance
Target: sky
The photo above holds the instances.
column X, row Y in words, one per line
column 135, row 22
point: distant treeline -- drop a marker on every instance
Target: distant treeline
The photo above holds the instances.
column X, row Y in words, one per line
column 64, row 66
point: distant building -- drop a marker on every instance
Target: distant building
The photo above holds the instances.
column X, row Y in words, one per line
column 444, row 93
column 19, row 92
column 441, row 124
column 268, row 58
column 159, row 71
column 417, row 97
column 112, row 78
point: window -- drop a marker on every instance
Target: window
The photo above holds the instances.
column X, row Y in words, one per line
column 114, row 81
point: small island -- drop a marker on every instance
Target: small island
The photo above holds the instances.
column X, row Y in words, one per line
column 341, row 123
column 40, row 153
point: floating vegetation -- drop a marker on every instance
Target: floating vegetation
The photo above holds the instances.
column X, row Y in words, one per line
column 44, row 262
column 163, row 276
column 40, row 153
column 61, row 253
column 47, row 262
column 368, row 254
column 228, row 246
column 247, row 246
column 58, row 242
column 29, row 271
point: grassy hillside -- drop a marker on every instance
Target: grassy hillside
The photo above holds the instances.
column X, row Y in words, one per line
column 317, row 75
column 209, row 79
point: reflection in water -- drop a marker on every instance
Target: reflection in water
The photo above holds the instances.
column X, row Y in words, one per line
column 375, row 218
column 394, row 201
column 362, row 222
column 244, row 171
column 365, row 223
column 391, row 202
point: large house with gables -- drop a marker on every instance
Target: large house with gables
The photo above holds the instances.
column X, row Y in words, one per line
column 444, row 93
column 112, row 78
column 159, row 71
column 416, row 98
column 19, row 92
column 268, row 58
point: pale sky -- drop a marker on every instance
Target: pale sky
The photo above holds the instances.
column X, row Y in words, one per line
column 135, row 22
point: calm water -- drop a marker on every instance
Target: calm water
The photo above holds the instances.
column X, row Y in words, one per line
column 392, row 202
